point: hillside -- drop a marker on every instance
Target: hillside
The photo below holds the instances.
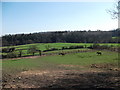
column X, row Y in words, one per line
column 62, row 36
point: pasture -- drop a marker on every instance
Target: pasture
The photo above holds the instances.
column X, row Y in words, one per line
column 43, row 46
column 57, row 46
column 79, row 70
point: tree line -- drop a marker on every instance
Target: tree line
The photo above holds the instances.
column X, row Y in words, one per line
column 62, row 36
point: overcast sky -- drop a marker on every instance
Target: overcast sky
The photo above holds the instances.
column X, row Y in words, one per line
column 29, row 17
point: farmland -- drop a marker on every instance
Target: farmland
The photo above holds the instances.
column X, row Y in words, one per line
column 73, row 70
column 42, row 46
column 57, row 46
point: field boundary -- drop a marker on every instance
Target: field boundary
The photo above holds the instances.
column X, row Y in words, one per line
column 50, row 54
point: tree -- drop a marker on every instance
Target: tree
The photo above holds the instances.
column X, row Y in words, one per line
column 12, row 55
column 20, row 52
column 32, row 49
column 47, row 47
column 115, row 13
column 53, row 37
column 39, row 52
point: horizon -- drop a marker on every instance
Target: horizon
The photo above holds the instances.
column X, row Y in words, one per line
column 57, row 31
column 31, row 17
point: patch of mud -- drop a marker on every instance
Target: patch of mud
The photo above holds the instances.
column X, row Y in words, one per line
column 22, row 57
column 62, row 65
column 95, row 77
column 65, row 79
column 112, row 67
column 37, row 72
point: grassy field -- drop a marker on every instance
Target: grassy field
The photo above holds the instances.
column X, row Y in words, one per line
column 45, row 46
column 46, row 70
column 45, row 62
column 42, row 46
column 74, row 69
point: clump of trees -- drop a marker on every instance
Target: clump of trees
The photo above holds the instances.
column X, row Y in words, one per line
column 33, row 49
column 10, row 52
column 8, row 49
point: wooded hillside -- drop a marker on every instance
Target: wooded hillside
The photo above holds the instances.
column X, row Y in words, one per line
column 62, row 36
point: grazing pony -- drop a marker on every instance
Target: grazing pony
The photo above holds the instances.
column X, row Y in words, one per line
column 98, row 53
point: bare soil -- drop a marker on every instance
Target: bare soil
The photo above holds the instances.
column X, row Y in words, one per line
column 93, row 78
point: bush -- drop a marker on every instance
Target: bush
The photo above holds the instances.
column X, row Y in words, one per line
column 96, row 46
column 80, row 46
column 90, row 47
column 3, row 56
column 76, row 47
column 52, row 49
column 12, row 55
column 32, row 49
column 104, row 47
column 7, row 50
column 73, row 47
column 64, row 48
column 20, row 52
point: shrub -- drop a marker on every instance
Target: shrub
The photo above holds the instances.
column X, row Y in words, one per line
column 20, row 52
column 32, row 49
column 64, row 48
column 3, row 56
column 104, row 47
column 76, row 47
column 7, row 50
column 96, row 46
column 47, row 47
column 11, row 55
column 90, row 47
column 52, row 49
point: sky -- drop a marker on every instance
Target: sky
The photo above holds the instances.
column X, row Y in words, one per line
column 30, row 17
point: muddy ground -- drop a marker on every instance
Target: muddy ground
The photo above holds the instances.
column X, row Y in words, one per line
column 93, row 78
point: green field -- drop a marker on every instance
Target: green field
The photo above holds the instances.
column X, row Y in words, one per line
column 26, row 72
column 50, row 62
column 42, row 46
column 55, row 70
column 45, row 46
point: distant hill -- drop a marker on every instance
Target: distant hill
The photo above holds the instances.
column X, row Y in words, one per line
column 62, row 36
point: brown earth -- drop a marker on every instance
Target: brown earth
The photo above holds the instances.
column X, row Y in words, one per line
column 93, row 78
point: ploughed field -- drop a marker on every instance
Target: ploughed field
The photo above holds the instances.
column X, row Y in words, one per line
column 72, row 70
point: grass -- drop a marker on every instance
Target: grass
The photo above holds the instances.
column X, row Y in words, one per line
column 42, row 46
column 52, row 62
column 67, row 50
column 115, row 37
column 83, row 58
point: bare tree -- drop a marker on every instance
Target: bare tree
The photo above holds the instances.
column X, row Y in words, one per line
column 115, row 13
column 32, row 49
